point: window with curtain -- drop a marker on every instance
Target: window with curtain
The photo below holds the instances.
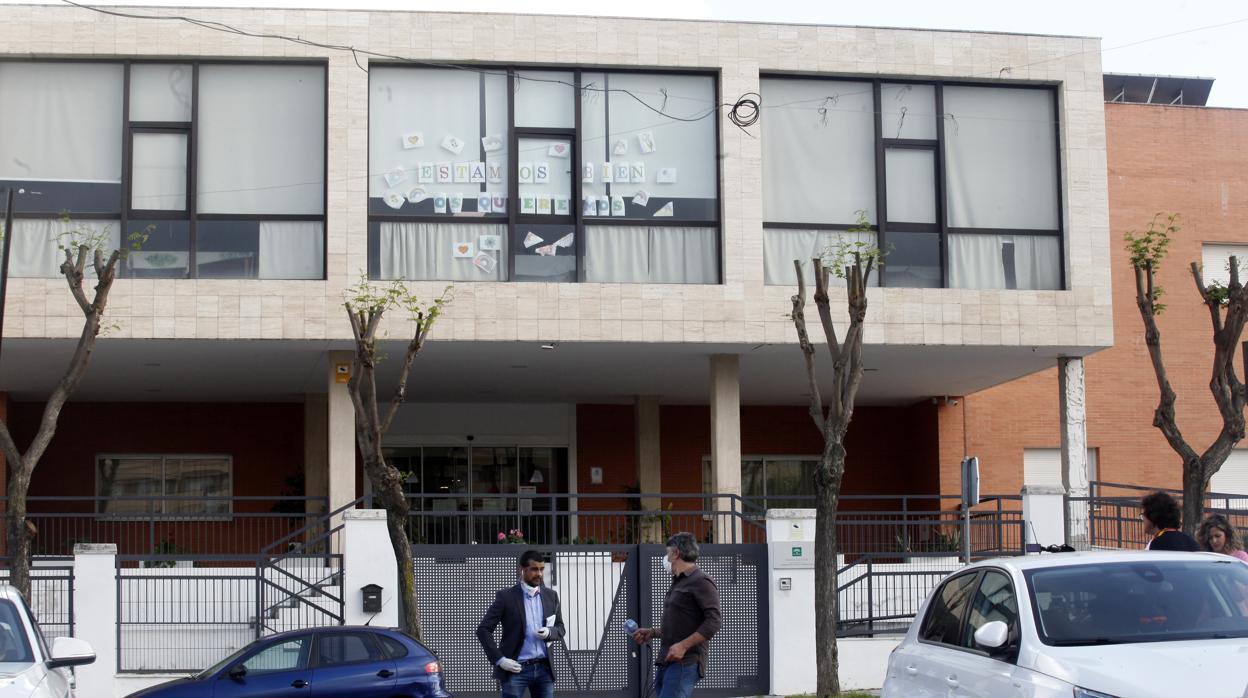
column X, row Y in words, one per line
column 969, row 178
column 621, row 186
column 258, row 164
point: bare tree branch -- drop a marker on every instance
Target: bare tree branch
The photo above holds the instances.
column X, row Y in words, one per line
column 808, row 350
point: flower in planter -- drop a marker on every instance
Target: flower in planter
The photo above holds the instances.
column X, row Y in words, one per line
column 515, row 535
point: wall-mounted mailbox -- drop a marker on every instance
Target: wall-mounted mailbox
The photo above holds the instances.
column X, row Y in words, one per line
column 372, row 598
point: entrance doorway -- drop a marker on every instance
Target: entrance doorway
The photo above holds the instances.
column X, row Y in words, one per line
column 471, row 494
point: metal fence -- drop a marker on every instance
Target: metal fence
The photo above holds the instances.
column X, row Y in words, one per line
column 1113, row 516
column 182, row 613
column 51, row 596
column 866, row 524
column 881, row 594
column 225, row 526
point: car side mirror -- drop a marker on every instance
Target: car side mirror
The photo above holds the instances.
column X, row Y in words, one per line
column 238, row 672
column 70, row 651
column 992, row 635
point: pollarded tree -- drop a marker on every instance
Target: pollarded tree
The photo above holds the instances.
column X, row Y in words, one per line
column 366, row 305
column 853, row 262
column 1228, row 313
column 81, row 246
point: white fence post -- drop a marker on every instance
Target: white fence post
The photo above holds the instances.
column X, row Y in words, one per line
column 95, row 616
column 367, row 558
column 1044, row 514
column 792, row 609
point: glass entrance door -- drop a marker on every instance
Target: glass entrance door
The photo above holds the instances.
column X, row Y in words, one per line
column 472, row 494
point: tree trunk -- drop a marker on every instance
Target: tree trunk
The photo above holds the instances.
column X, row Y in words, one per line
column 19, row 538
column 1194, row 483
column 828, row 489
column 388, row 488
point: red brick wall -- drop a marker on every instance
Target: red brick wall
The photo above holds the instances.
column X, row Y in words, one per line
column 891, row 450
column 265, row 441
column 1189, row 160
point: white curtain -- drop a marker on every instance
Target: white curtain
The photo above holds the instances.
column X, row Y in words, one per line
column 62, row 121
column 435, row 102
column 908, row 111
column 1005, row 261
column 160, row 92
column 36, row 252
column 782, row 246
column 426, row 251
column 291, row 250
column 544, row 99
column 159, row 165
column 651, row 254
column 818, row 139
column 261, row 139
column 1000, row 158
column 911, row 183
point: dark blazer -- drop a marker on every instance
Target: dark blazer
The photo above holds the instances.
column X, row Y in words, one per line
column 508, row 609
column 1175, row 540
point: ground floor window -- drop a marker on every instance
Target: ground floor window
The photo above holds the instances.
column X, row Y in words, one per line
column 163, row 484
column 774, row 482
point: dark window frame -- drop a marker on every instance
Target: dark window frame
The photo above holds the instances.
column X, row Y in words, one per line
column 577, row 219
column 882, row 225
column 126, row 213
column 977, row 573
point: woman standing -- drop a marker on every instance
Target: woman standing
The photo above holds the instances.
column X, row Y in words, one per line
column 1217, row 535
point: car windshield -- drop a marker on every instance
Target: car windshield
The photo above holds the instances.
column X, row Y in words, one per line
column 14, row 646
column 1140, row 601
column 223, row 663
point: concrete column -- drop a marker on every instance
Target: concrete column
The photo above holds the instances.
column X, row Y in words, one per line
column 649, row 467
column 316, row 448
column 368, row 559
column 1074, row 426
column 1044, row 516
column 340, row 429
column 726, row 442
column 95, row 616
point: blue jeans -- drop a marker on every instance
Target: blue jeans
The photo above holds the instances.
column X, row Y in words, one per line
column 676, row 680
column 534, row 677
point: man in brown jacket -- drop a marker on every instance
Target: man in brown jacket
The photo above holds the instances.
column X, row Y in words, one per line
column 690, row 619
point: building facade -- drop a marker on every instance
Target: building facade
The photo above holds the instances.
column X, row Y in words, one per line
column 1188, row 160
column 620, row 252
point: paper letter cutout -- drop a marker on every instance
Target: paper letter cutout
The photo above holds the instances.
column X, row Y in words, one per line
column 541, row 173
column 476, row 173
column 608, row 173
column 457, row 203
column 528, row 204
column 494, row 172
column 462, row 171
column 525, row 175
column 439, row 203
column 617, row 205
column 395, row 177
column 425, row 173
column 561, row 206
column 498, row 203
column 453, row 144
column 637, row 172
column 645, row 142
column 589, row 206
column 604, row 205
column 543, row 204
column 587, row 173
column 444, row 172
column 483, row 203
column 620, row 147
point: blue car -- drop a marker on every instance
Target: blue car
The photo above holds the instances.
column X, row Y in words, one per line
column 360, row 662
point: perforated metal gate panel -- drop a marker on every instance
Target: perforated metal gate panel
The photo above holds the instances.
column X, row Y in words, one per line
column 738, row 663
column 599, row 587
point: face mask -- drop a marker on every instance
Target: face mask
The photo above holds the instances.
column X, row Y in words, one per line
column 667, row 564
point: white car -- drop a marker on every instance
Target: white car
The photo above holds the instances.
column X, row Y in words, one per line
column 28, row 669
column 1081, row 625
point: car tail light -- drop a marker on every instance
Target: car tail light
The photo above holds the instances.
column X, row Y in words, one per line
column 433, row 668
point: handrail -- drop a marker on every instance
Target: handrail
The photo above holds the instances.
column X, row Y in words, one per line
column 321, row 519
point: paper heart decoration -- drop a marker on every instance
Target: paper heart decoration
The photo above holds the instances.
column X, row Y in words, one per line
column 463, row 248
column 413, row 140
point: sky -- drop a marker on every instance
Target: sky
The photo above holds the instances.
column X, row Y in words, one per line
column 1175, row 37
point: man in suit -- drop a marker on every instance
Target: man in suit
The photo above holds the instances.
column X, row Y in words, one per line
column 531, row 620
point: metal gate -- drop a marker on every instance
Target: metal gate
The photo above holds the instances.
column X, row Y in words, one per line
column 600, row 587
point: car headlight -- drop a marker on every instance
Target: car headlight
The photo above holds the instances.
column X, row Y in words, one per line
column 1088, row 693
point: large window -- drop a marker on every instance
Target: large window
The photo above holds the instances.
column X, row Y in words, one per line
column 163, row 484
column 219, row 166
column 543, row 175
column 959, row 183
column 778, row 482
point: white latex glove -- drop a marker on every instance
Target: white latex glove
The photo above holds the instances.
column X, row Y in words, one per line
column 510, row 665
column 543, row 632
